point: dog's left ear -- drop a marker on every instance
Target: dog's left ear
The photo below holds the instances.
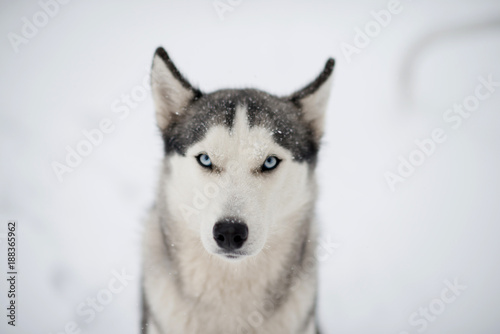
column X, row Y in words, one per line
column 313, row 99
column 172, row 93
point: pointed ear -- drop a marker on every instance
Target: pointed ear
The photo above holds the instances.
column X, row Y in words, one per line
column 172, row 93
column 313, row 99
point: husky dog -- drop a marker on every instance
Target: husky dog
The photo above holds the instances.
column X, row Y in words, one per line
column 229, row 245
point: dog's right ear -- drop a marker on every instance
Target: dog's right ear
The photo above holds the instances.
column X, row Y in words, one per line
column 172, row 93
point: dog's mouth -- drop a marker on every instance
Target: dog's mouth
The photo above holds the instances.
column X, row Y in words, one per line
column 232, row 255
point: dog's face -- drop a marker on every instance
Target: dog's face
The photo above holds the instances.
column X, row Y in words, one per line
column 238, row 162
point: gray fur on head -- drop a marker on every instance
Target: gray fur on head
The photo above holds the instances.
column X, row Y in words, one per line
column 184, row 113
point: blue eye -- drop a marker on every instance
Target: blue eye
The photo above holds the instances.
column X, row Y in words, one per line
column 204, row 160
column 271, row 163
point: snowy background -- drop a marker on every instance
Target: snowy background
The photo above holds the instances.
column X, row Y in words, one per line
column 397, row 247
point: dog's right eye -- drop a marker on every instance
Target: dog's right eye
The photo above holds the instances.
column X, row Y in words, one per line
column 204, row 160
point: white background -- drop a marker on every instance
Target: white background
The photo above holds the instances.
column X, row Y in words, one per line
column 396, row 247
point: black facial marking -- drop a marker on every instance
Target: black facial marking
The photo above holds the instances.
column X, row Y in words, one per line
column 281, row 116
column 193, row 123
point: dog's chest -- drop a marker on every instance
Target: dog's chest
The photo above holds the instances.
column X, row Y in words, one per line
column 221, row 309
column 204, row 300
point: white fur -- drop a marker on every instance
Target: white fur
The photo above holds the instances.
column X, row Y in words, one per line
column 240, row 191
column 219, row 295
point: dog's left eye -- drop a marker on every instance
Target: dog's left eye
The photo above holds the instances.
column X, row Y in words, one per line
column 204, row 160
column 271, row 163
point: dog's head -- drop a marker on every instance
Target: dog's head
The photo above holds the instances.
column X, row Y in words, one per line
column 239, row 162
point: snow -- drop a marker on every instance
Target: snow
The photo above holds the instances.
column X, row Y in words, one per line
column 396, row 248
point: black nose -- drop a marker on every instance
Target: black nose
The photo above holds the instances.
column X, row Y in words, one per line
column 230, row 233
